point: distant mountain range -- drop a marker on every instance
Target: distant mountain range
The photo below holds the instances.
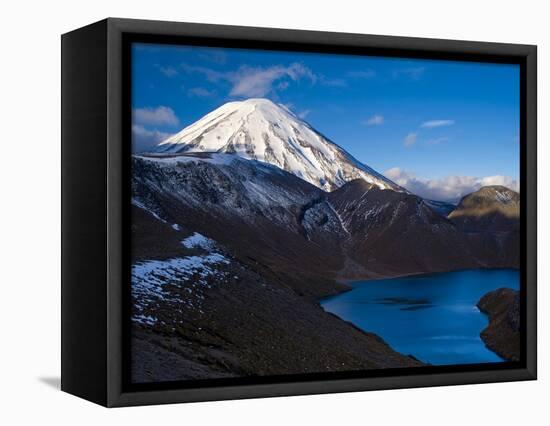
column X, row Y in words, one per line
column 250, row 212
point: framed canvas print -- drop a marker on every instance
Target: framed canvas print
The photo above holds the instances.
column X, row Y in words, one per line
column 253, row 212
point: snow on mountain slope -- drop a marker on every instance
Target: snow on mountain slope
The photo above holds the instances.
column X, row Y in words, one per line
column 258, row 129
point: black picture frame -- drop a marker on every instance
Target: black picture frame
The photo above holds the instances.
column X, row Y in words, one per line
column 95, row 209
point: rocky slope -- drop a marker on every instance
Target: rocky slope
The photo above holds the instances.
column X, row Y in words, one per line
column 490, row 219
column 490, row 209
column 201, row 311
column 269, row 218
column 502, row 335
column 299, row 233
column 394, row 233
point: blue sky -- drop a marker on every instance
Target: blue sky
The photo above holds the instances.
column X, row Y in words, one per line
column 423, row 122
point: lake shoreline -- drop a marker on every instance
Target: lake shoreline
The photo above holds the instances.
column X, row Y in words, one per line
column 502, row 334
column 409, row 302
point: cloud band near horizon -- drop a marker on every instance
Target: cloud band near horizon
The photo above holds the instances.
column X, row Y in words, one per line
column 449, row 188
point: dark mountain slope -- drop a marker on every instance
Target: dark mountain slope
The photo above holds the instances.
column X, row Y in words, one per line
column 396, row 233
column 490, row 219
column 490, row 209
column 267, row 217
column 199, row 312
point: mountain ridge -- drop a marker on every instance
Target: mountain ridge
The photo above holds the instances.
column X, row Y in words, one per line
column 358, row 224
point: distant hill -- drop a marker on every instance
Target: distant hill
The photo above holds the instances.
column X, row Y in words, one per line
column 491, row 208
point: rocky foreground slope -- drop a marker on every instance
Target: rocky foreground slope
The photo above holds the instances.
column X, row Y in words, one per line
column 201, row 311
column 231, row 255
column 502, row 335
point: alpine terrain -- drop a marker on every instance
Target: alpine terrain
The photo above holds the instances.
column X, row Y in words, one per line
column 242, row 221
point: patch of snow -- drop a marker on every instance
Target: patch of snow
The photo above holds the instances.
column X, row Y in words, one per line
column 199, row 241
column 342, row 223
column 396, row 212
column 176, row 227
column 374, row 211
column 151, row 275
column 503, row 197
column 210, row 157
column 144, row 319
column 150, row 278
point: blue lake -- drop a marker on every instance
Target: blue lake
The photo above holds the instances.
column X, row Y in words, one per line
column 432, row 317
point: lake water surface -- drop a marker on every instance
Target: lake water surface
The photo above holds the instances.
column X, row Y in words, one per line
column 432, row 317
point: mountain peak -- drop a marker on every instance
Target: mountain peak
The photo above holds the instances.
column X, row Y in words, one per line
column 490, row 208
column 491, row 194
column 259, row 101
column 252, row 103
column 258, row 129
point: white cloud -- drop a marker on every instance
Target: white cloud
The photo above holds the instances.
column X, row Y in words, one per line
column 161, row 115
column 436, row 123
column 303, row 114
column 449, row 188
column 258, row 82
column 211, row 75
column 200, row 92
column 144, row 140
column 168, row 71
column 375, row 120
column 506, row 181
column 288, row 106
column 410, row 139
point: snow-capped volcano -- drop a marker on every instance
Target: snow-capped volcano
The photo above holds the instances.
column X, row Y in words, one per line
column 261, row 130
